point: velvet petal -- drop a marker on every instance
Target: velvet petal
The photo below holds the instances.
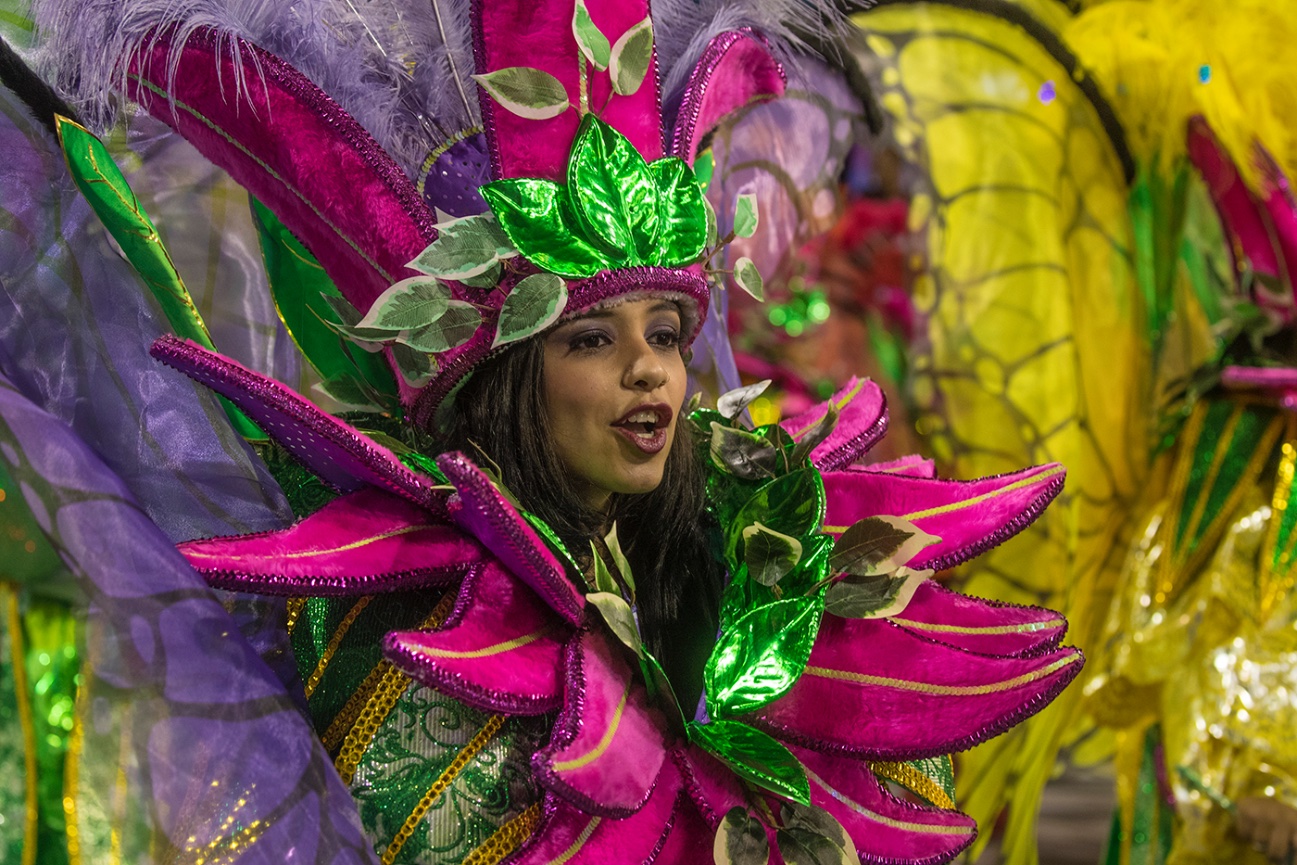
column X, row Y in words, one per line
column 988, row 627
column 367, row 541
column 341, row 456
column 712, row 786
column 862, row 421
column 970, row 517
column 609, row 741
column 886, row 830
column 882, row 703
column 500, row 650
column 488, row 516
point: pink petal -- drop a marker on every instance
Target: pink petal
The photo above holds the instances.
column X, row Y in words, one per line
column 876, row 690
column 486, row 514
column 365, row 542
column 500, row 650
column 609, row 741
column 862, row 421
column 712, row 786
column 988, row 627
column 970, row 517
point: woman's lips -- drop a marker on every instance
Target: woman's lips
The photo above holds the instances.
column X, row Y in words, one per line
column 645, row 426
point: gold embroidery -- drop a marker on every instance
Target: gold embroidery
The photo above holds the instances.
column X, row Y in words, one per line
column 476, row 744
column 597, row 751
column 943, row 690
column 506, row 839
column 498, row 648
column 313, row 681
column 915, row 781
column 578, row 843
column 1025, row 628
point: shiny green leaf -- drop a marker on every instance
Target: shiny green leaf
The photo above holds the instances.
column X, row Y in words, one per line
column 769, row 555
column 757, row 660
column 683, row 215
column 792, row 504
column 465, row 248
column 754, row 756
column 533, row 305
column 659, row 688
column 456, row 326
column 748, row 278
column 874, row 597
column 620, row 618
column 630, row 58
column 745, row 215
column 741, row 453
column 592, row 42
column 535, row 215
column 613, row 192
column 732, row 403
column 879, row 545
column 812, row 836
column 409, row 304
column 741, row 840
column 704, row 168
column 527, row 92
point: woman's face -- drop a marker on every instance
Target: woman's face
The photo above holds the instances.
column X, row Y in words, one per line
column 614, row 383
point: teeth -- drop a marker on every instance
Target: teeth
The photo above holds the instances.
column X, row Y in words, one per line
column 643, row 417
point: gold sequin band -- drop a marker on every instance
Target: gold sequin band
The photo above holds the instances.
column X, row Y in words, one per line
column 294, row 607
column 476, row 744
column 506, row 839
column 915, row 781
column 313, row 681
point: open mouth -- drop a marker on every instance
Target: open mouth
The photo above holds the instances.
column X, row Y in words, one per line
column 645, row 426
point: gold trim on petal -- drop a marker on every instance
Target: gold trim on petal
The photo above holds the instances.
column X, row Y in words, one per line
column 915, row 781
column 506, row 839
column 887, row 821
column 943, row 690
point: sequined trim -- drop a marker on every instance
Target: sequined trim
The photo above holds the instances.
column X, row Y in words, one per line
column 72, row 775
column 313, row 681
column 1276, row 565
column 915, row 781
column 341, row 725
column 888, row 821
column 943, row 690
column 17, row 653
column 597, row 751
column 1024, row 628
column 476, row 744
column 506, row 839
column 294, row 608
column 567, row 854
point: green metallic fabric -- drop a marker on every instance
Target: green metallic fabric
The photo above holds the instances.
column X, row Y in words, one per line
column 616, row 210
column 16, row 749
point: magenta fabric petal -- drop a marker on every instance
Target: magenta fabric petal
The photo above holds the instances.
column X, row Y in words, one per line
column 987, row 627
column 912, row 465
column 886, row 830
column 500, row 650
column 609, row 741
column 574, row 837
column 736, row 69
column 365, row 542
column 712, row 786
column 341, row 456
column 862, row 421
column 970, row 517
column 874, row 689
column 482, row 511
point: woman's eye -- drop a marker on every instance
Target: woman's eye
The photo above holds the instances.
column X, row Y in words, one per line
column 587, row 341
column 666, row 338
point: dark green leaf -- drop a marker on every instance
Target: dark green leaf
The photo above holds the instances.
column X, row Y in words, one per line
column 768, row 554
column 347, row 314
column 792, row 504
column 619, row 616
column 351, row 393
column 488, row 278
column 630, row 58
column 613, row 192
column 742, row 453
column 812, row 437
column 603, row 578
column 732, row 403
column 409, row 304
column 533, row 305
column 367, row 338
column 527, row 92
column 745, row 215
column 592, row 42
column 748, row 278
column 659, row 688
column 878, row 545
column 416, row 367
column 455, row 327
column 682, row 212
column 807, row 823
column 465, row 248
column 535, row 216
column 873, row 597
column 754, row 756
column 757, row 660
column 741, row 840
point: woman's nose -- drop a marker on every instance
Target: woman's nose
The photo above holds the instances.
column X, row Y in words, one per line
column 645, row 369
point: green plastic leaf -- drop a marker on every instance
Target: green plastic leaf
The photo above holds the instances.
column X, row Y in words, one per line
column 745, row 215
column 591, row 41
column 748, row 278
column 812, row 836
column 682, row 214
column 757, row 660
column 811, row 438
column 613, row 192
column 732, row 403
column 465, row 248
column 874, row 597
column 620, row 618
column 527, row 92
column 535, row 216
column 742, row 453
column 409, row 304
column 769, row 554
column 630, row 59
column 455, row 327
column 660, row 690
column 533, row 305
column 488, row 278
column 878, row 545
column 367, row 338
column 619, row 558
column 754, row 756
column 741, row 840
column 416, row 367
column 604, row 581
column 713, row 232
column 350, row 393
column 704, row 168
column 792, row 504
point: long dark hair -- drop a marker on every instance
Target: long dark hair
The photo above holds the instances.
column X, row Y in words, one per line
column 666, row 534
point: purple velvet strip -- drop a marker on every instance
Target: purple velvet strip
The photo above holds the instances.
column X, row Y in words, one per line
column 736, row 68
column 340, row 455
